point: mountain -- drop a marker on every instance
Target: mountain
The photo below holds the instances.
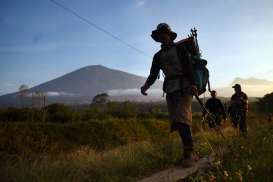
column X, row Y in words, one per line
column 253, row 87
column 82, row 85
column 251, row 81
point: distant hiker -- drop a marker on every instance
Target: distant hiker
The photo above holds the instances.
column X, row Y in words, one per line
column 215, row 107
column 238, row 109
column 179, row 85
column 269, row 119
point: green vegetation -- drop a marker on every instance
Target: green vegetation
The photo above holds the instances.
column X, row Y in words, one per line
column 118, row 142
column 59, row 113
column 244, row 159
column 265, row 103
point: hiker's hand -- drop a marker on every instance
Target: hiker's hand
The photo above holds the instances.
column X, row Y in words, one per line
column 143, row 89
column 193, row 90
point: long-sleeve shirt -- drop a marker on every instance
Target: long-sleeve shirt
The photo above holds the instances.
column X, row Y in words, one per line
column 239, row 101
column 176, row 64
column 215, row 106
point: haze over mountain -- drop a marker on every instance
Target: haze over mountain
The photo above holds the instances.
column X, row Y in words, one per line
column 251, row 81
column 252, row 86
column 80, row 86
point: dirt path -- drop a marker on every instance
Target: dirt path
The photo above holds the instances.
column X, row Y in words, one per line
column 179, row 173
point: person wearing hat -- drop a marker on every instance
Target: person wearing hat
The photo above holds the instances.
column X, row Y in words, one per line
column 238, row 109
column 215, row 107
column 174, row 61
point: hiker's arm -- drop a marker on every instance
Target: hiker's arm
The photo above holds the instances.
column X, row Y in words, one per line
column 154, row 71
column 246, row 103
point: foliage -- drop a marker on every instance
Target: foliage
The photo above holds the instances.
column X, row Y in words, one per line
column 120, row 142
column 265, row 104
column 244, row 159
column 101, row 98
column 59, row 113
column 20, row 114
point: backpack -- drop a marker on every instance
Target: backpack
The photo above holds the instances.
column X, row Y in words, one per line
column 201, row 73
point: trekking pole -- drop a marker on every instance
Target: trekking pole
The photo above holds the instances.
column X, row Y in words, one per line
column 194, row 35
column 209, row 86
column 217, row 129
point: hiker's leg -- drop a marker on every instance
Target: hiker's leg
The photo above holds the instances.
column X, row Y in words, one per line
column 218, row 120
column 171, row 105
column 179, row 107
column 186, row 137
column 234, row 119
column 243, row 126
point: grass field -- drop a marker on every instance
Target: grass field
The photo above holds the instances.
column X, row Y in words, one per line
column 126, row 149
column 245, row 159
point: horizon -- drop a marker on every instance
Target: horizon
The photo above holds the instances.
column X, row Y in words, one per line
column 153, row 91
column 40, row 41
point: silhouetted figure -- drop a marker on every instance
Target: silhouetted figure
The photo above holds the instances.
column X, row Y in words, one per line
column 269, row 117
column 179, row 85
column 238, row 109
column 215, row 107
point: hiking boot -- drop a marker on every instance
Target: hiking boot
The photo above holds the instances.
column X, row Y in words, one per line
column 187, row 162
column 195, row 157
column 178, row 162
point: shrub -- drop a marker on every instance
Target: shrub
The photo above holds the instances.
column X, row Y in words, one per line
column 59, row 113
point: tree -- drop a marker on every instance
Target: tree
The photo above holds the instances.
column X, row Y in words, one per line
column 265, row 104
column 23, row 91
column 101, row 98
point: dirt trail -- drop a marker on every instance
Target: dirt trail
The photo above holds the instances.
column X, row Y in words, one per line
column 179, row 173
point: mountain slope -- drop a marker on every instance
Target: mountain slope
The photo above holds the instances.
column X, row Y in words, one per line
column 81, row 85
column 89, row 81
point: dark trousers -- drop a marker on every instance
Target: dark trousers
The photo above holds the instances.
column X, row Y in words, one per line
column 240, row 118
column 184, row 131
column 242, row 124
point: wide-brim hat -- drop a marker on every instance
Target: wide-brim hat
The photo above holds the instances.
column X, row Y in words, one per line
column 236, row 86
column 163, row 27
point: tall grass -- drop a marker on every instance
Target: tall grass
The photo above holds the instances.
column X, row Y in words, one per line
column 245, row 159
column 116, row 149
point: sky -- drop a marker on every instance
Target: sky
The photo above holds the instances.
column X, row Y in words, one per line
column 39, row 41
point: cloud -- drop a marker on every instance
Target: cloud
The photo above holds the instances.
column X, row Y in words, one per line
column 122, row 92
column 7, row 87
column 140, row 3
column 55, row 94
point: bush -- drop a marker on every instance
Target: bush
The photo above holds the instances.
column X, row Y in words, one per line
column 265, row 104
column 59, row 113
column 122, row 110
column 25, row 114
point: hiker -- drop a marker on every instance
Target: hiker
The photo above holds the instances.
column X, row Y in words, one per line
column 215, row 107
column 179, row 85
column 238, row 109
column 269, row 119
